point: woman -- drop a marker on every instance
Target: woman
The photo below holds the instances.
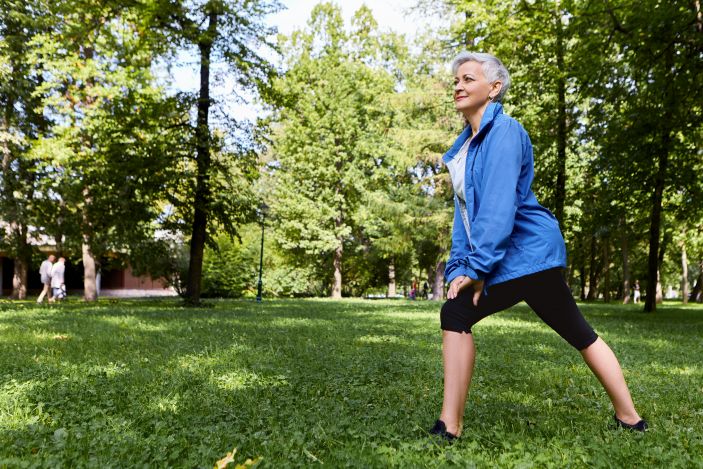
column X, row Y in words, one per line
column 506, row 248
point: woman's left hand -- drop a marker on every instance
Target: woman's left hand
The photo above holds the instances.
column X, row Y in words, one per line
column 478, row 289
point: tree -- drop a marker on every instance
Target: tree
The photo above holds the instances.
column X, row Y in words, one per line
column 330, row 139
column 647, row 97
column 21, row 123
column 231, row 32
column 424, row 127
column 532, row 38
column 112, row 150
column 606, row 125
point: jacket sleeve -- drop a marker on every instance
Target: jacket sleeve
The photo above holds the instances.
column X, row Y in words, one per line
column 457, row 264
column 494, row 220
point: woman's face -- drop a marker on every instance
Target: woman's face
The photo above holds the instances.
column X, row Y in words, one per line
column 471, row 88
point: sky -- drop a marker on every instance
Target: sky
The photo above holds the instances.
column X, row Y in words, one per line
column 390, row 15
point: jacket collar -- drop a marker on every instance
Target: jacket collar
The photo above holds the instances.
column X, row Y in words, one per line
column 489, row 115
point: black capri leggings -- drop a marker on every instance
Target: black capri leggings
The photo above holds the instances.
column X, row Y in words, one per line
column 545, row 292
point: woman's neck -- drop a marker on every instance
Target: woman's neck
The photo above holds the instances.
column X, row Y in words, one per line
column 474, row 117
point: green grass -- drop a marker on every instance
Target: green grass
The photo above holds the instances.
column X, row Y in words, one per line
column 349, row 383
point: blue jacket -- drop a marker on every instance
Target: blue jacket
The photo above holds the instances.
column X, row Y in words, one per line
column 501, row 232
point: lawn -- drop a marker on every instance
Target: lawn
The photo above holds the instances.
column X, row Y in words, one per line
column 346, row 383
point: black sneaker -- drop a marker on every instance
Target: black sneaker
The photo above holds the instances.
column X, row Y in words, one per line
column 440, row 429
column 640, row 426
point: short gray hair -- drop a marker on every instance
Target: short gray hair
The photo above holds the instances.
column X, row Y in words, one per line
column 492, row 67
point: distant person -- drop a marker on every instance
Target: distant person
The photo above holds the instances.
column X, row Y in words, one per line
column 413, row 290
column 58, row 285
column 636, row 293
column 425, row 290
column 506, row 247
column 45, row 275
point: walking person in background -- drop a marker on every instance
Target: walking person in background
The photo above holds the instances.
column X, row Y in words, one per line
column 45, row 275
column 636, row 293
column 58, row 286
column 506, row 247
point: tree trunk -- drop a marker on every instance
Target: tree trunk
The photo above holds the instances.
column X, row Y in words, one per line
column 561, row 120
column 581, row 267
column 625, row 269
column 659, row 296
column 202, row 186
column 438, row 284
column 337, row 285
column 18, row 237
column 660, row 260
column 19, row 279
column 697, row 293
column 658, row 195
column 582, row 270
column 391, row 278
column 606, row 261
column 570, row 274
column 19, row 276
column 90, row 289
column 684, row 270
column 592, row 272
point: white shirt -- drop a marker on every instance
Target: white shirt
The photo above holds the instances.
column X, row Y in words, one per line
column 57, row 272
column 457, row 169
column 45, row 271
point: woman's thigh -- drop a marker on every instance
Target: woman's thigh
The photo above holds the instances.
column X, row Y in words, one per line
column 460, row 314
column 550, row 297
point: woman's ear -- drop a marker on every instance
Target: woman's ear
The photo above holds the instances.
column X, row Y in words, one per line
column 495, row 89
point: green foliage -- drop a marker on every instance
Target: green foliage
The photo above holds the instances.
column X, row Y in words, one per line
column 232, row 33
column 619, row 81
column 355, row 159
column 94, row 153
column 21, row 123
column 231, row 268
column 163, row 258
column 639, row 109
column 114, row 160
column 330, row 137
column 105, row 145
column 237, row 39
column 350, row 383
column 424, row 126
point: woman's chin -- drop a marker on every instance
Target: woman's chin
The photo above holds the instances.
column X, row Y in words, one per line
column 462, row 105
